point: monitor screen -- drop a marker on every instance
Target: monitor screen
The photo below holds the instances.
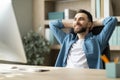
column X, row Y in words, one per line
column 11, row 47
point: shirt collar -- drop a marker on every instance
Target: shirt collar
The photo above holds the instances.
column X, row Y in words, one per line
column 87, row 36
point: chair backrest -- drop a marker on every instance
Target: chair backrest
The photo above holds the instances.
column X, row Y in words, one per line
column 106, row 51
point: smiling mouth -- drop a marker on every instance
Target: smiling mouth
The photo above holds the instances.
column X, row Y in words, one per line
column 78, row 26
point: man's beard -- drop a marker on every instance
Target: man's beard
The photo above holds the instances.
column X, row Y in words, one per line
column 80, row 30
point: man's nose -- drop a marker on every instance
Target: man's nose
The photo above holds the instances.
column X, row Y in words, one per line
column 77, row 22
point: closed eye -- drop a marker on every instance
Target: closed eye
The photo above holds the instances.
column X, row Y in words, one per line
column 79, row 19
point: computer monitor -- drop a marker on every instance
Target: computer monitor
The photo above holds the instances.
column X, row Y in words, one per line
column 11, row 47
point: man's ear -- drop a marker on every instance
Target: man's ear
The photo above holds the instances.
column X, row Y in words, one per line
column 90, row 25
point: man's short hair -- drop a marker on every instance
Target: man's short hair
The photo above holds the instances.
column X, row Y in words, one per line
column 87, row 13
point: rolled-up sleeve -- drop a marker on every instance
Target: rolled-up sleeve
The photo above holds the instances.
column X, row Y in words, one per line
column 109, row 26
column 55, row 27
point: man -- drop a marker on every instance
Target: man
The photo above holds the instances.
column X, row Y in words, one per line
column 80, row 48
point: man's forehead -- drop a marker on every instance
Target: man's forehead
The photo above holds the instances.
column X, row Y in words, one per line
column 80, row 15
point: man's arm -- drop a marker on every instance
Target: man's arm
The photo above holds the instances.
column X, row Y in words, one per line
column 55, row 27
column 98, row 22
column 109, row 24
column 68, row 23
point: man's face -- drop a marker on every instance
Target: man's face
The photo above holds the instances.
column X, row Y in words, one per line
column 81, row 23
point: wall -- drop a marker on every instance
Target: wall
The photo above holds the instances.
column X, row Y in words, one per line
column 23, row 12
column 116, row 7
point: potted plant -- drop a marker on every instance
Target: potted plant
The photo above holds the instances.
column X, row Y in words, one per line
column 37, row 48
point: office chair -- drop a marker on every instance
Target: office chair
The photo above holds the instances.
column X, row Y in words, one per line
column 106, row 51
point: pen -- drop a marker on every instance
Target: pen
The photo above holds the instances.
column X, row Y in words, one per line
column 104, row 58
column 116, row 60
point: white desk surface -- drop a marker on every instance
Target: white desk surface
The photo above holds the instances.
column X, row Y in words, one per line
column 23, row 72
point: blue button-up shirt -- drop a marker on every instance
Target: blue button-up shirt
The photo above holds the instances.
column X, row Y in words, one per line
column 93, row 44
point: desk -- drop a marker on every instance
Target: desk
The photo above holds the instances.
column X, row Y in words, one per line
column 54, row 73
